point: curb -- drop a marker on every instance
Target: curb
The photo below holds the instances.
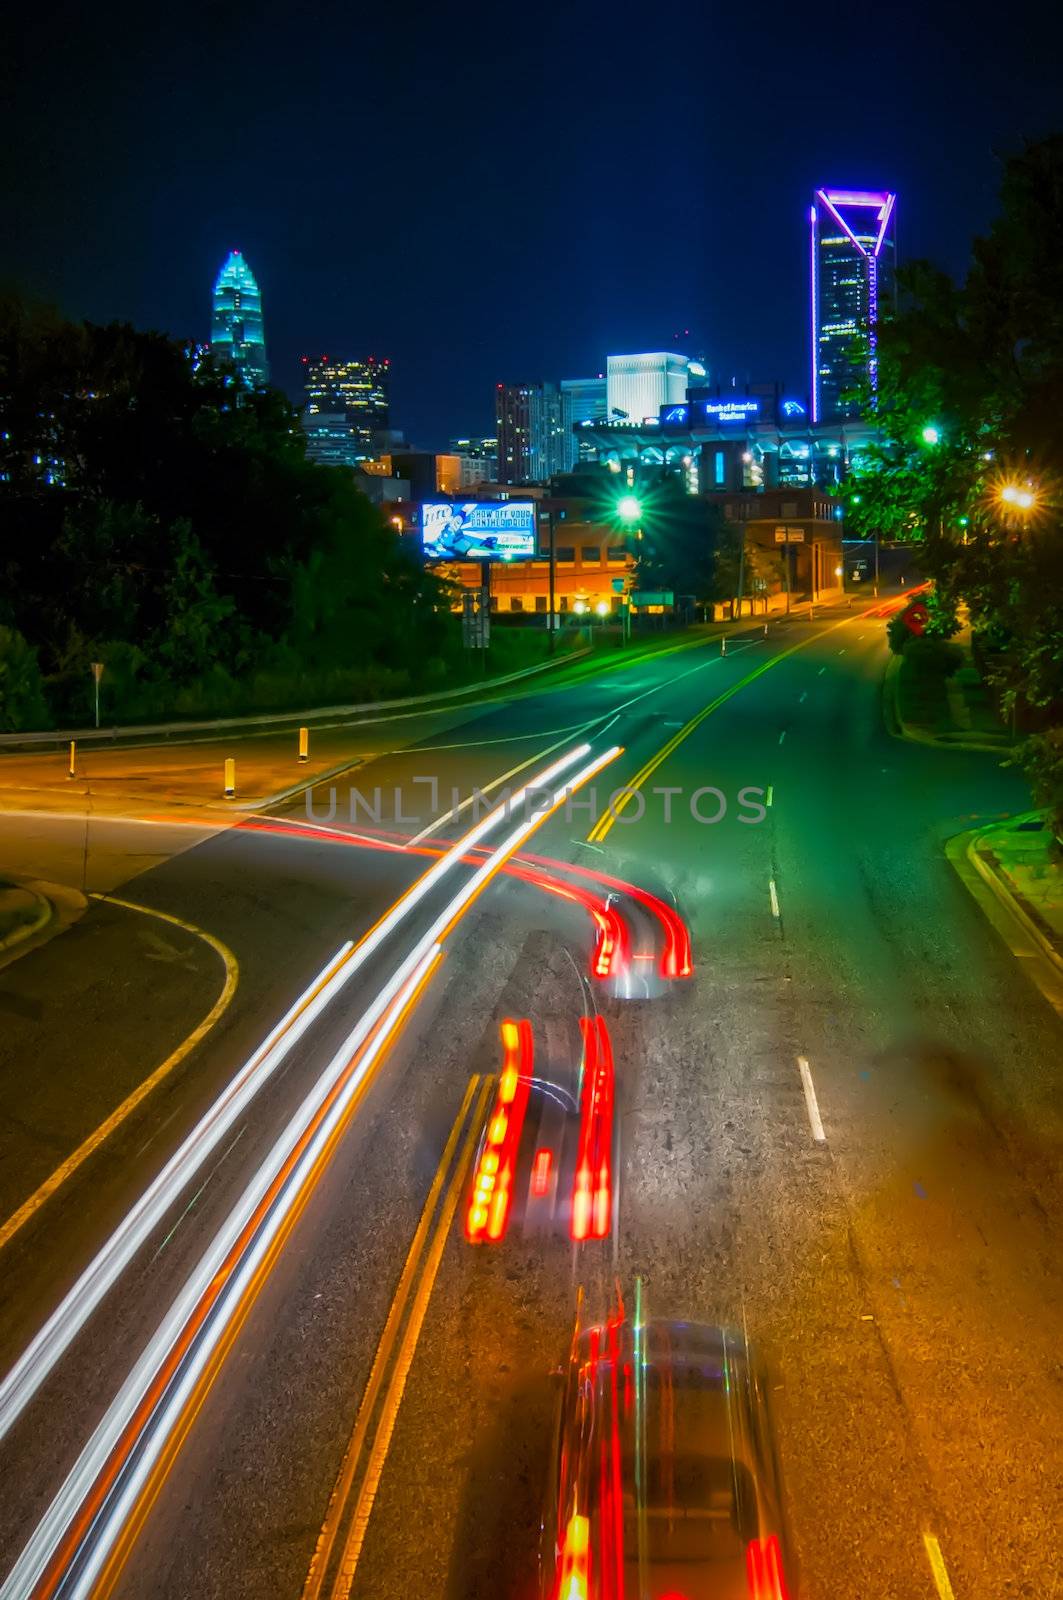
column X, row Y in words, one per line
column 897, row 728
column 1006, row 895
column 1026, row 941
column 28, row 930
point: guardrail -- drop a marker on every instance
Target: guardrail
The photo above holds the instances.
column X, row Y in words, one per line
column 217, row 727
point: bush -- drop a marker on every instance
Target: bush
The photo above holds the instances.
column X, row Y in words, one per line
column 22, row 704
column 1041, row 758
column 935, row 658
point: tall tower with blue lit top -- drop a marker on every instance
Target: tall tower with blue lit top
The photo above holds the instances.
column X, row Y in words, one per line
column 236, row 329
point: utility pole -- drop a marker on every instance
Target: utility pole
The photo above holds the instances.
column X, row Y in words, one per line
column 552, row 619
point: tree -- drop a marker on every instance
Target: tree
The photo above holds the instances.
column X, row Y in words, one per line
column 970, row 392
column 21, row 693
column 681, row 536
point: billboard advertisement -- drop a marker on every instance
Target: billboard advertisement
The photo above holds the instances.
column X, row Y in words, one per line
column 479, row 530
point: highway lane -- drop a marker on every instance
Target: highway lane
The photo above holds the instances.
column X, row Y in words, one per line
column 915, row 1371
column 237, row 893
column 732, row 885
column 103, row 1215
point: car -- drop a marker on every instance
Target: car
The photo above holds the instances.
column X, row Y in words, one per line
column 664, row 1478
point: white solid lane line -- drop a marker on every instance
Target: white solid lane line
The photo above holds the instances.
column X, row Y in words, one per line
column 811, row 1102
column 54, row 1338
column 773, row 896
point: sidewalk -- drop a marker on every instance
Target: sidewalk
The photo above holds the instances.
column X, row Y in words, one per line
column 1017, row 879
column 1028, row 866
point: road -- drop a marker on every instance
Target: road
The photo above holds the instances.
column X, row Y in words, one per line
column 842, row 1131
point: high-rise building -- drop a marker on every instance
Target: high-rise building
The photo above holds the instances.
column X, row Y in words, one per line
column 236, row 330
column 636, row 387
column 853, row 260
column 478, row 460
column 582, row 400
column 531, row 432
column 346, row 404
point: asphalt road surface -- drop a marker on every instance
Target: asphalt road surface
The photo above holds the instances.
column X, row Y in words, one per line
column 842, row 1132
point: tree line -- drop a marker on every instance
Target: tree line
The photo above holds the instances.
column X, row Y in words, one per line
column 160, row 519
column 969, row 401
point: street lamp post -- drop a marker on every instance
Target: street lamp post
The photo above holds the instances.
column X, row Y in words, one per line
column 629, row 510
column 551, row 622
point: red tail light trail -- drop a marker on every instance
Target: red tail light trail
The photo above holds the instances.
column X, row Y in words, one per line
column 487, row 1215
column 764, row 1570
column 592, row 1190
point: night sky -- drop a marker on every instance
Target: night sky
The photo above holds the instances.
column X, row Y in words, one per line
column 499, row 192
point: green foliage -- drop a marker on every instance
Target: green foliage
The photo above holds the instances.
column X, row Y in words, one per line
column 898, row 633
column 1041, row 758
column 21, row 693
column 983, row 362
column 681, row 536
column 149, row 510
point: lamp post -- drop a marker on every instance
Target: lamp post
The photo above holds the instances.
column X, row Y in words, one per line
column 629, row 510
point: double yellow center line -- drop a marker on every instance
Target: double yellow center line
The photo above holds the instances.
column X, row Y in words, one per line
column 625, row 797
column 351, row 1502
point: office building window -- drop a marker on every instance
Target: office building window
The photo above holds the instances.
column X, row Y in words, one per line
column 565, row 552
column 540, row 602
column 516, row 603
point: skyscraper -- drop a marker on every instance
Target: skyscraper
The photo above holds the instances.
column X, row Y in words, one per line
column 531, row 432
column 236, row 331
column 582, row 400
column 853, row 257
column 346, row 404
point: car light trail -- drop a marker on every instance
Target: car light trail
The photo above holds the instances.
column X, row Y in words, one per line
column 101, row 1488
column 676, row 957
column 78, row 1535
column 487, row 1215
column 54, row 1338
column 592, row 1184
column 764, row 1572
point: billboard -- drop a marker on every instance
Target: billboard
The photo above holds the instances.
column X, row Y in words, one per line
column 479, row 530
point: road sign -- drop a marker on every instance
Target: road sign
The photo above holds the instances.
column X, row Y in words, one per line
column 916, row 617
column 789, row 536
column 618, row 585
column 652, row 597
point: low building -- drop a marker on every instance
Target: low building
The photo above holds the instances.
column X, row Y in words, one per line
column 802, row 527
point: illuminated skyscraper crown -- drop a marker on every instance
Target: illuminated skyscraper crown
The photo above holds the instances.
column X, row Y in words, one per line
column 236, row 329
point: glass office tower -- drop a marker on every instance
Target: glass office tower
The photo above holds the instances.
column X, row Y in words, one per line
column 853, row 257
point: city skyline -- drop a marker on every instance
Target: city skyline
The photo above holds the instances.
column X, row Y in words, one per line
column 712, row 208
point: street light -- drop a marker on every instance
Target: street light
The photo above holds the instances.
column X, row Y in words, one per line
column 602, row 608
column 931, row 434
column 629, row 508
column 1019, row 495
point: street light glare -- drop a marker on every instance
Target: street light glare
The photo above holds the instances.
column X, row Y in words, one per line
column 931, row 434
column 629, row 508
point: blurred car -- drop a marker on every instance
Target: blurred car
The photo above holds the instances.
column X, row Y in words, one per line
column 549, row 1151
column 665, row 1484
